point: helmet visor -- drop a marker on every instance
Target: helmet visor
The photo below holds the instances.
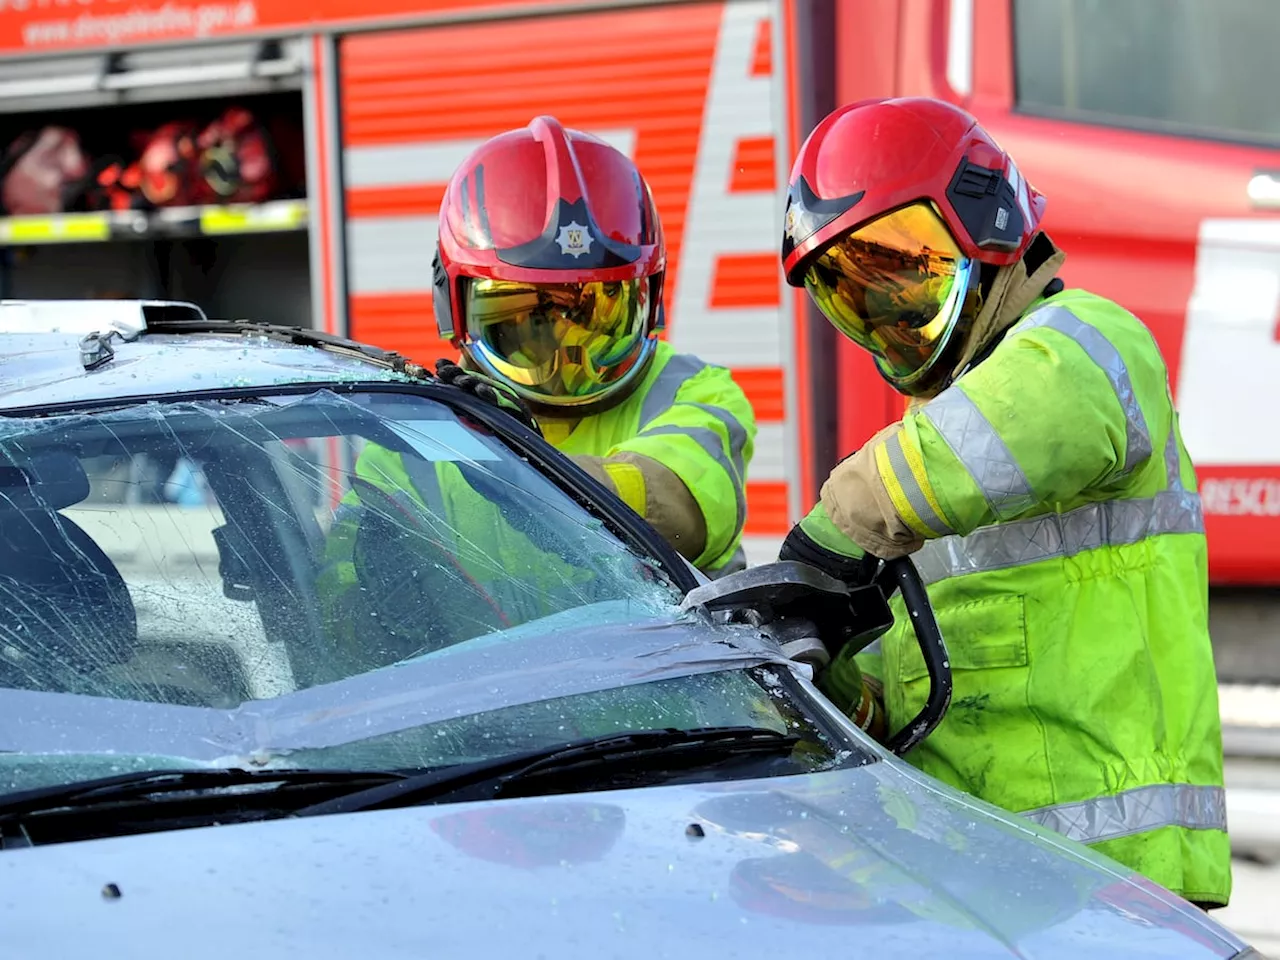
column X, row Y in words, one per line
column 560, row 342
column 895, row 286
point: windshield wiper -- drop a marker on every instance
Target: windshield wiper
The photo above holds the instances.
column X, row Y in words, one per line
column 146, row 783
column 637, row 755
column 640, row 755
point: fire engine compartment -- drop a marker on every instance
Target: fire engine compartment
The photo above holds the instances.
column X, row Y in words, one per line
column 235, row 259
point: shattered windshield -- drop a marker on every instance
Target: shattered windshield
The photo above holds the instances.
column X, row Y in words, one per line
column 353, row 579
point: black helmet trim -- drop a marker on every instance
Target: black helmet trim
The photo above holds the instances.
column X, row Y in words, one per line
column 987, row 204
column 807, row 213
column 571, row 240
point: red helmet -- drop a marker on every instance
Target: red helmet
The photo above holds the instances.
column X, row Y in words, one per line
column 893, row 206
column 549, row 267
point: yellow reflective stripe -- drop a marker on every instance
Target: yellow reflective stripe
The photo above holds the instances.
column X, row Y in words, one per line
column 915, row 461
column 896, row 493
column 629, row 482
column 556, row 432
column 919, row 509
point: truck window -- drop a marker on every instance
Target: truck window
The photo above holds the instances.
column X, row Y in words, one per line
column 1192, row 67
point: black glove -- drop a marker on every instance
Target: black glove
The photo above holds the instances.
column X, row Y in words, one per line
column 854, row 571
column 480, row 386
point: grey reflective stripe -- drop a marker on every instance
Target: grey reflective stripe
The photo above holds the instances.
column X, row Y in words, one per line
column 662, row 394
column 976, row 444
column 1107, row 357
column 709, row 441
column 347, row 513
column 911, row 487
column 662, row 397
column 1108, row 523
column 736, row 431
column 1136, row 811
column 426, row 482
column 736, row 563
column 1173, row 455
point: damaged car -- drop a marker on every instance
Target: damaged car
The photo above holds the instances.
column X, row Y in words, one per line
column 304, row 653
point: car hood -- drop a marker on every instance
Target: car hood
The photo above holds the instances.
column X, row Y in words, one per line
column 873, row 858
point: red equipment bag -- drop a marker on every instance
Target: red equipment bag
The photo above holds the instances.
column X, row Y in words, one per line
column 237, row 162
column 166, row 174
column 163, row 175
column 231, row 160
column 42, row 172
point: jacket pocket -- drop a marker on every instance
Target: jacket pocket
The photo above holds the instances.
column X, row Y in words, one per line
column 991, row 743
column 980, row 635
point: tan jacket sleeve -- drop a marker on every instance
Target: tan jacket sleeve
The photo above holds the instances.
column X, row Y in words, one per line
column 656, row 493
column 858, row 503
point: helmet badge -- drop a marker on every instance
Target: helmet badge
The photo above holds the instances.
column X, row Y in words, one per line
column 574, row 239
column 792, row 226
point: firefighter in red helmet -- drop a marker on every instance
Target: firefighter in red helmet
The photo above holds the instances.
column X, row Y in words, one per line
column 549, row 278
column 1039, row 480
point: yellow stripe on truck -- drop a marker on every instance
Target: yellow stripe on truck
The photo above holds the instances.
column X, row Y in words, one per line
column 55, row 229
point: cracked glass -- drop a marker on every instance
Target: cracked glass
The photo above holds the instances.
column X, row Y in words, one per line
column 325, row 579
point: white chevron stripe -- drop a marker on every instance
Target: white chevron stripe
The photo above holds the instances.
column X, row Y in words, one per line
column 434, row 161
column 390, row 254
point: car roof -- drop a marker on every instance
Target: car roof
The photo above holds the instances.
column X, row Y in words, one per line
column 55, row 353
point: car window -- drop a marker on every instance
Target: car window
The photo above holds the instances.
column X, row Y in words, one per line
column 1196, row 67
column 157, row 524
column 221, row 554
column 300, row 541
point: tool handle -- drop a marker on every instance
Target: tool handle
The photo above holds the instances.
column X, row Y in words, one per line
column 903, row 574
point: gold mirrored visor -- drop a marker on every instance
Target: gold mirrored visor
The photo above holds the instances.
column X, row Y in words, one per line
column 895, row 286
column 560, row 342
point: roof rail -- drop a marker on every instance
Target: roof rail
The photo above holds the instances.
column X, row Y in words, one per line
column 128, row 318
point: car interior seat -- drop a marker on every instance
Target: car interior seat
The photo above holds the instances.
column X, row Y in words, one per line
column 65, row 611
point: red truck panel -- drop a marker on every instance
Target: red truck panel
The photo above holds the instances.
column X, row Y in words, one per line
column 1134, row 211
